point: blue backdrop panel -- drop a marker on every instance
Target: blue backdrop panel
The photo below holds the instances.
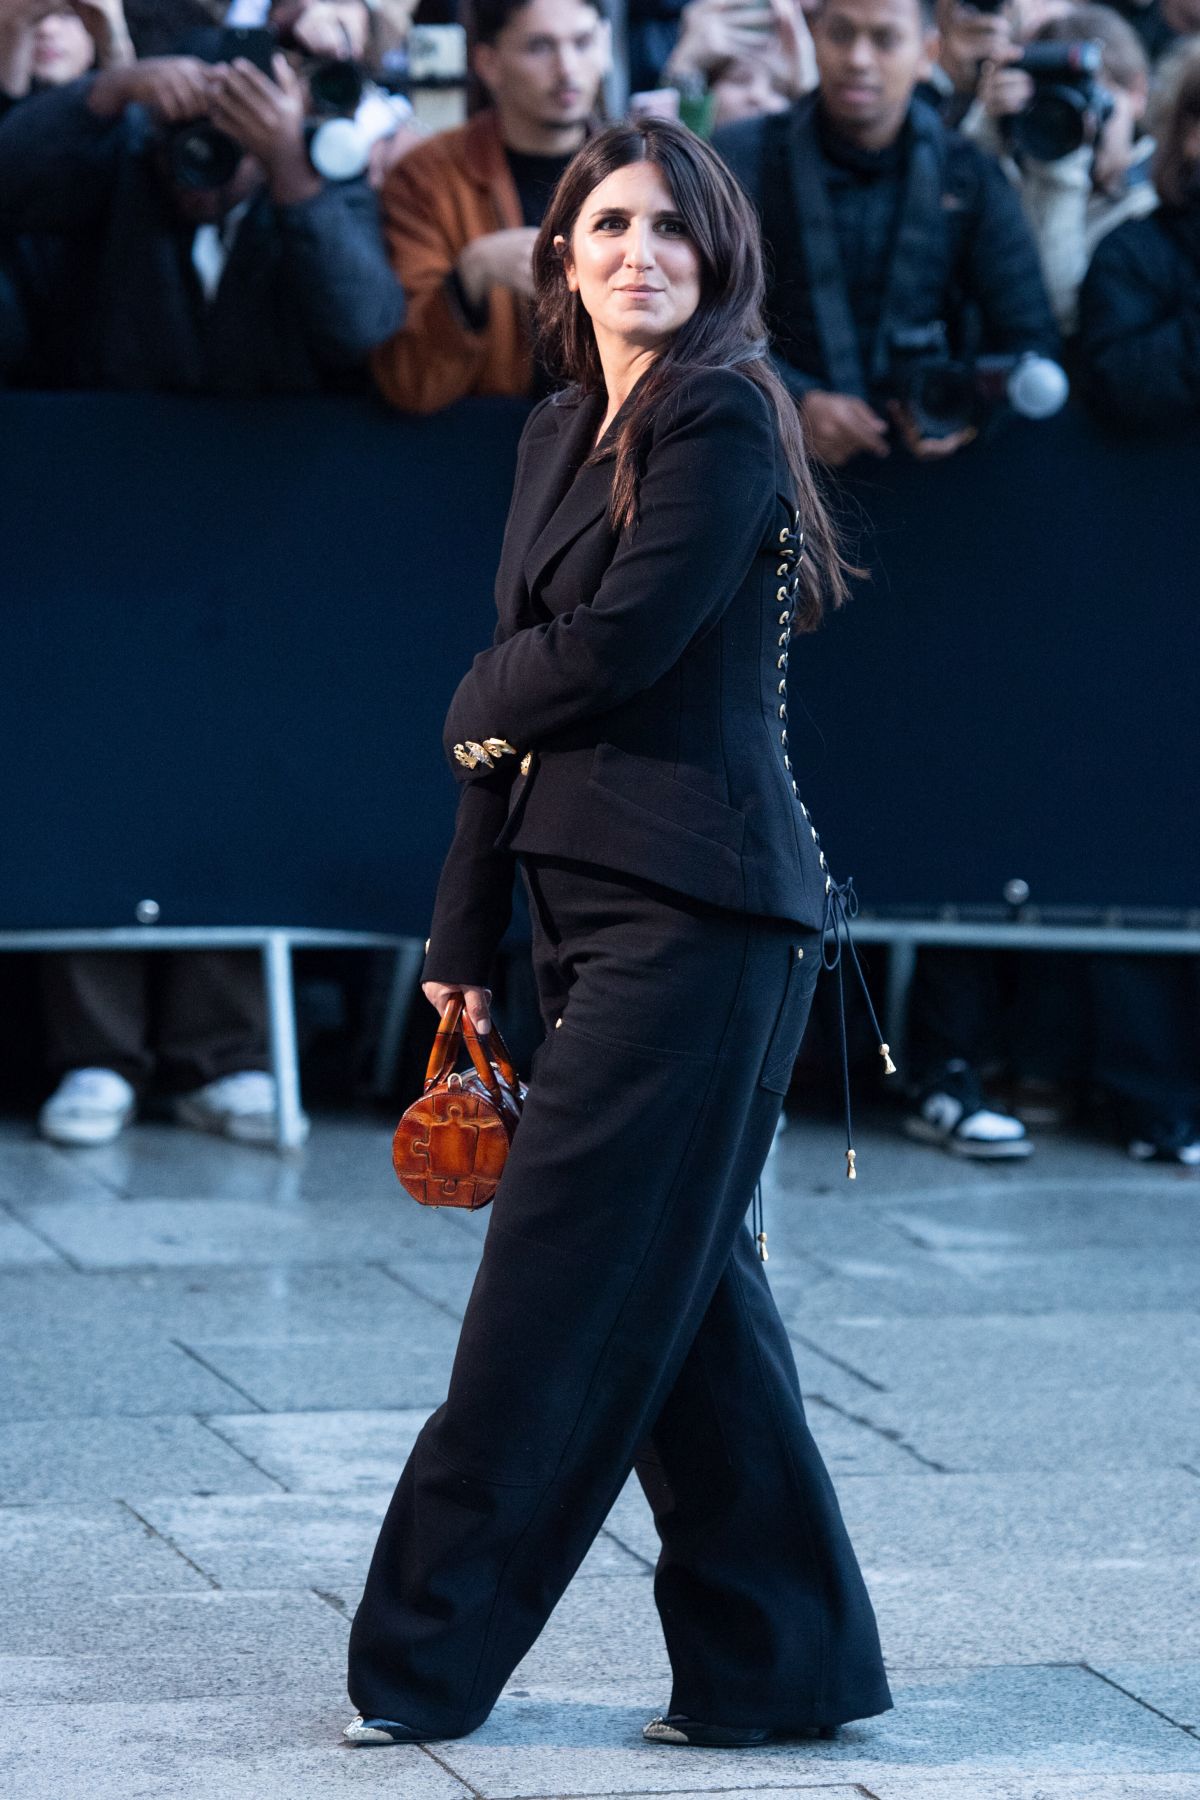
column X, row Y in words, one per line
column 1012, row 695
column 231, row 631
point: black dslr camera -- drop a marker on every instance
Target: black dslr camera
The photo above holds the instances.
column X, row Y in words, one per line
column 200, row 156
column 944, row 395
column 1070, row 104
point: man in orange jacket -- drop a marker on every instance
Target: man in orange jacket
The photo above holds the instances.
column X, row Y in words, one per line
column 461, row 211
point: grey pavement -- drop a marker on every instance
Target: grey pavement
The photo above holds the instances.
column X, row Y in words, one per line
column 213, row 1362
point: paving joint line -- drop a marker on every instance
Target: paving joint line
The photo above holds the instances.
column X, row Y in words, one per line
column 410, row 1288
column 333, row 1600
column 225, row 1380
column 1188, row 1730
column 205, row 1420
column 616, row 1538
column 476, row 1793
column 838, row 1363
column 34, row 1231
column 170, row 1543
column 889, row 1432
column 65, row 1158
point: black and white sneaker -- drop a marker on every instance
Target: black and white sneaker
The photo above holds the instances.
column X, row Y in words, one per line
column 951, row 1114
column 1156, row 1142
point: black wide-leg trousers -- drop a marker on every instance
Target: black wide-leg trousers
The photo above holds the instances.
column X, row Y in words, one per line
column 620, row 1318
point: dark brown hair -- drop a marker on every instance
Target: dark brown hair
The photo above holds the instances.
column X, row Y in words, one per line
column 1175, row 119
column 726, row 330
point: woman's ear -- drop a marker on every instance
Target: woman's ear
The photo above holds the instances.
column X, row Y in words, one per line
column 564, row 254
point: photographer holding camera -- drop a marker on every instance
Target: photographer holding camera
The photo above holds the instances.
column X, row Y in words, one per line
column 899, row 251
column 1064, row 114
column 209, row 255
column 43, row 44
column 1139, row 308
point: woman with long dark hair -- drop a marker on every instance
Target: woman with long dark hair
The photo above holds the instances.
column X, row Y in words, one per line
column 625, row 740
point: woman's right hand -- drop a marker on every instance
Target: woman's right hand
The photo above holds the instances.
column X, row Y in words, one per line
column 477, row 1002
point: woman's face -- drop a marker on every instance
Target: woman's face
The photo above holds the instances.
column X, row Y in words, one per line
column 62, row 49
column 631, row 260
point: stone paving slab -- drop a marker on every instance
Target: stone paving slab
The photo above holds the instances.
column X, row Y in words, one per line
column 303, row 1540
column 984, row 1281
column 271, row 1304
column 346, row 1158
column 208, row 1750
column 404, row 1367
column 45, row 1379
column 1171, row 1687
column 1043, row 1430
column 1013, row 1359
column 976, row 1723
column 83, row 1459
column 1067, row 1787
column 327, row 1452
column 1038, row 1610
column 1099, row 1517
column 31, row 1170
column 1157, row 1210
column 72, row 1553
column 117, row 1234
column 20, row 1248
column 183, row 1646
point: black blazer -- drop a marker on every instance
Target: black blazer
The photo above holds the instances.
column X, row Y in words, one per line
column 636, row 685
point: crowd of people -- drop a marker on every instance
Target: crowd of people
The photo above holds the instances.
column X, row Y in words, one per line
column 214, row 198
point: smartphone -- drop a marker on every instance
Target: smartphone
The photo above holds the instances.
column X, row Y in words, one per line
column 253, row 44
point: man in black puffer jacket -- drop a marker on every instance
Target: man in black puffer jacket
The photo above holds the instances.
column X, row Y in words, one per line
column 1139, row 309
column 880, row 225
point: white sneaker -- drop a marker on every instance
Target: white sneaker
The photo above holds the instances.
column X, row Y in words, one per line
column 89, row 1106
column 240, row 1106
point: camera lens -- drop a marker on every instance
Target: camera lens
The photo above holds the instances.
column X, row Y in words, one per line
column 1053, row 124
column 201, row 157
column 336, row 88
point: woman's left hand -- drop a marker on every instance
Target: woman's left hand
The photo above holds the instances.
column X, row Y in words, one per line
column 476, row 1002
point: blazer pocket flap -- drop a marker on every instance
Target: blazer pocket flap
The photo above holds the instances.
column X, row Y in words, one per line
column 644, row 783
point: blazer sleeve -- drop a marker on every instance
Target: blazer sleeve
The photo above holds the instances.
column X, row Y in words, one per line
column 473, row 904
column 705, row 503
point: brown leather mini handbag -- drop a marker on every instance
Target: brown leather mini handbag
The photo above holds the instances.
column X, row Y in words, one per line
column 451, row 1144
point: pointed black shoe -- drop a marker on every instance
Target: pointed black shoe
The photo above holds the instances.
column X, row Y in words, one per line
column 677, row 1728
column 381, row 1731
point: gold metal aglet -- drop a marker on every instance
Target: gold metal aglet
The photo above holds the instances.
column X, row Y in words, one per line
column 851, row 1171
column 761, row 1241
column 889, row 1067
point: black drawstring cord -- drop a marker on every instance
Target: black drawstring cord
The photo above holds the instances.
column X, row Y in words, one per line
column 841, row 905
column 756, row 1222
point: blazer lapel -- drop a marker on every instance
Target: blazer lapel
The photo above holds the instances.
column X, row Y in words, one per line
column 570, row 500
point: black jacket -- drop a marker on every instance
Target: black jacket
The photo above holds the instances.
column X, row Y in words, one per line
column 306, row 293
column 639, row 676
column 1139, row 321
column 978, row 269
